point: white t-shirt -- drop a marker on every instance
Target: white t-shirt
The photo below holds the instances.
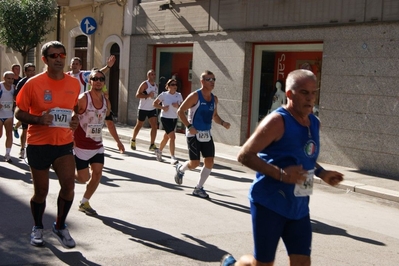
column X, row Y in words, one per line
column 167, row 99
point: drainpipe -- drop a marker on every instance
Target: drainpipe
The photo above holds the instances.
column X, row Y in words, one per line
column 58, row 23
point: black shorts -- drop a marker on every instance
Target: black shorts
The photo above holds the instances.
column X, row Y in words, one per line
column 169, row 124
column 144, row 113
column 41, row 157
column 82, row 164
column 196, row 148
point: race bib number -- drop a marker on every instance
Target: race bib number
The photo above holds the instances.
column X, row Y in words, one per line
column 7, row 106
column 305, row 189
column 94, row 130
column 61, row 117
column 204, row 136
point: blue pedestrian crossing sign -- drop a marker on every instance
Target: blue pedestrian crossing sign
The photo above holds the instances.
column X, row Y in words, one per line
column 88, row 25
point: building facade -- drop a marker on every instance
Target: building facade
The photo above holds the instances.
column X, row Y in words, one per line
column 249, row 45
column 351, row 45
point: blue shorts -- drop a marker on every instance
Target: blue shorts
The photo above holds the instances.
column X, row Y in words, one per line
column 269, row 226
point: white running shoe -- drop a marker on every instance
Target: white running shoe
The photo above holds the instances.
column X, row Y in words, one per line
column 64, row 237
column 36, row 237
column 158, row 153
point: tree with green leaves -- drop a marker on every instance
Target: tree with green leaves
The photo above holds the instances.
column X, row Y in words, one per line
column 25, row 23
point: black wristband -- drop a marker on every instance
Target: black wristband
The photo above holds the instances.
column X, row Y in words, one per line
column 318, row 171
column 145, row 93
column 189, row 126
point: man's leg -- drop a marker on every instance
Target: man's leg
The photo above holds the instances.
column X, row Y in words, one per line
column 154, row 126
column 64, row 167
column 9, row 131
column 136, row 130
column 40, row 179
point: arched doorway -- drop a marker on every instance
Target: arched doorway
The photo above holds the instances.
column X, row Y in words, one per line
column 114, row 80
column 81, row 49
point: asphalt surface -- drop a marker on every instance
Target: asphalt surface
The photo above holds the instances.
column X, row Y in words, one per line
column 354, row 179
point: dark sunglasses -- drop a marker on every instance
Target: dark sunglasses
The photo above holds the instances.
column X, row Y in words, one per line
column 98, row 79
column 172, row 84
column 210, row 79
column 56, row 55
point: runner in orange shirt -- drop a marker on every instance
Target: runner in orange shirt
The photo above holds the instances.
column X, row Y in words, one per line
column 47, row 103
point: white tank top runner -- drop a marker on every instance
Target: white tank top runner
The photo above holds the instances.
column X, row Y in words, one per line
column 146, row 104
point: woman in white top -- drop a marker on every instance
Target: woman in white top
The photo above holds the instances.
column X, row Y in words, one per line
column 168, row 101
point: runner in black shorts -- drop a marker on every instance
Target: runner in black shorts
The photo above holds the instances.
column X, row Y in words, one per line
column 202, row 109
column 168, row 101
column 146, row 92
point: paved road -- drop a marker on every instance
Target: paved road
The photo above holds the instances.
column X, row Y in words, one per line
column 146, row 219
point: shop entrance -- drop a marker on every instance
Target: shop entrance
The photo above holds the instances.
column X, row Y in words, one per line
column 272, row 64
column 175, row 62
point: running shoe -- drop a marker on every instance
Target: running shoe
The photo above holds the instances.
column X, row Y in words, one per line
column 152, row 147
column 158, row 153
column 133, row 145
column 36, row 237
column 16, row 134
column 7, row 158
column 173, row 160
column 64, row 237
column 227, row 260
column 179, row 175
column 86, row 208
column 200, row 192
column 22, row 154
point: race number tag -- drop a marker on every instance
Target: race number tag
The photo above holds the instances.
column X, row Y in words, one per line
column 305, row 189
column 61, row 117
column 203, row 136
column 94, row 130
column 7, row 105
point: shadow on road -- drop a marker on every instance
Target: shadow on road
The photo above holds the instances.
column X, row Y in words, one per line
column 150, row 237
column 322, row 228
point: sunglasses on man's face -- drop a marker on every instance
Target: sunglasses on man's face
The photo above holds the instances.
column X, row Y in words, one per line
column 172, row 84
column 98, row 79
column 210, row 79
column 56, row 55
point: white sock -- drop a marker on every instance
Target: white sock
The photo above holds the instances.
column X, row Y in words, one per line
column 205, row 172
column 184, row 167
column 84, row 200
column 8, row 150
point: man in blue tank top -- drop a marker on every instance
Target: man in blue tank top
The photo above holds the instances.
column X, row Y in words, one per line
column 283, row 151
column 202, row 109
